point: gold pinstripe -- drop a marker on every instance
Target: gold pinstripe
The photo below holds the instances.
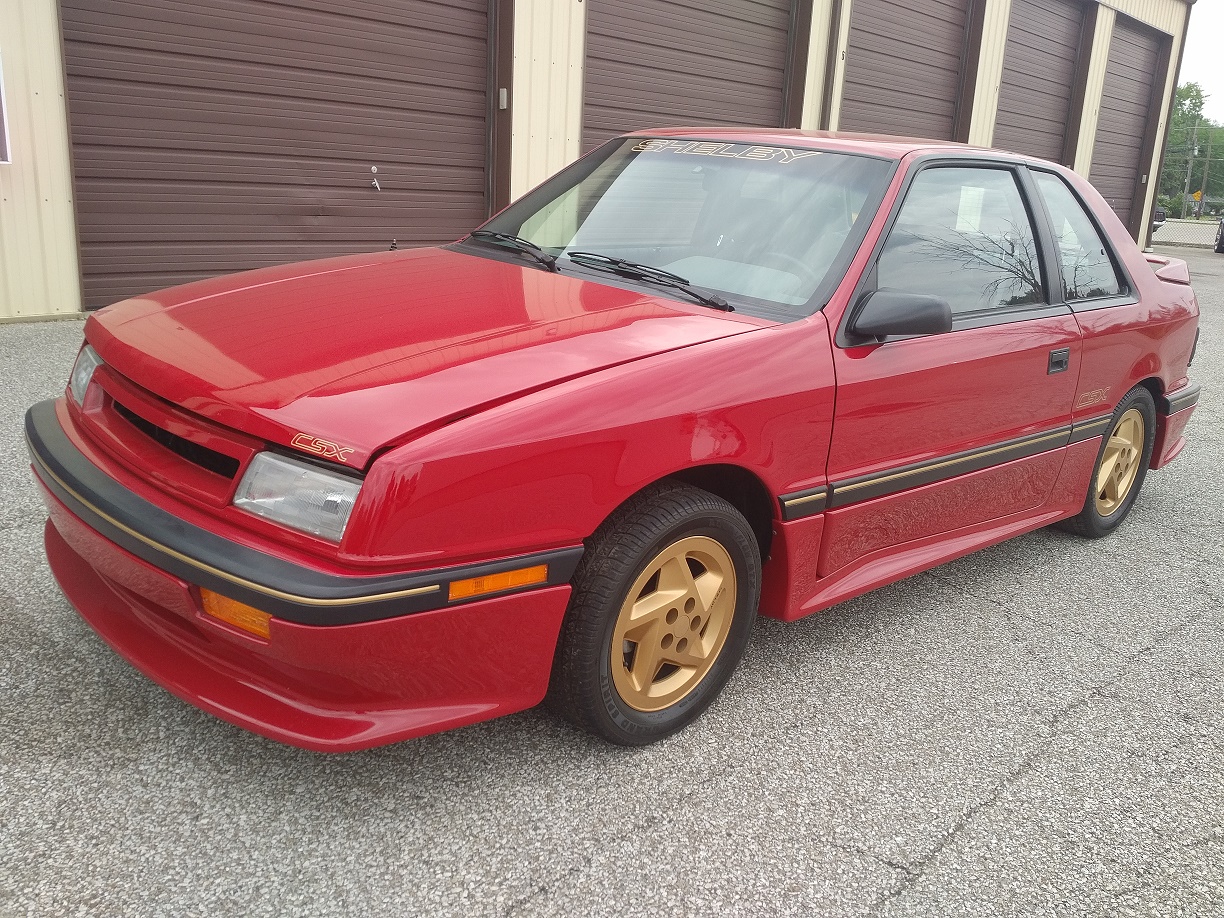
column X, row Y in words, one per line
column 930, row 467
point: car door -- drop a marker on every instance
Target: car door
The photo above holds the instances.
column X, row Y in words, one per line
column 936, row 433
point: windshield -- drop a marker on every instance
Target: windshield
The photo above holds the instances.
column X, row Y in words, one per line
column 770, row 228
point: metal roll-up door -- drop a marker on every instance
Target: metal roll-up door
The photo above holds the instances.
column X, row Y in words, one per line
column 231, row 134
column 904, row 63
column 657, row 63
column 1039, row 72
column 1120, row 153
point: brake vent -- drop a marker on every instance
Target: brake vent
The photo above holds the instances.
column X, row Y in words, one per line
column 205, row 458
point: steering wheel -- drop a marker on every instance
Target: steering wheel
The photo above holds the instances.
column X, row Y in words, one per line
column 792, row 265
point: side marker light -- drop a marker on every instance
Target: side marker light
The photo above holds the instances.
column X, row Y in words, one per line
column 239, row 614
column 498, row 583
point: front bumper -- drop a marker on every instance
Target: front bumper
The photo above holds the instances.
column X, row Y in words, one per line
column 376, row 659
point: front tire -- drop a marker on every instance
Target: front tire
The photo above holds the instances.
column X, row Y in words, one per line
column 663, row 605
column 1121, row 467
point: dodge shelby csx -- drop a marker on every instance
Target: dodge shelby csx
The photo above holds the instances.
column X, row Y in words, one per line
column 697, row 374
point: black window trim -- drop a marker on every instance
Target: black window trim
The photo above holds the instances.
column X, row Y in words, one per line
column 1127, row 297
column 1055, row 303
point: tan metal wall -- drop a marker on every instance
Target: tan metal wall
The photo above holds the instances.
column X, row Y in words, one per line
column 546, row 116
column 38, row 248
column 990, row 71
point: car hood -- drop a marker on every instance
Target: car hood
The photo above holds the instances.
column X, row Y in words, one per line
column 367, row 350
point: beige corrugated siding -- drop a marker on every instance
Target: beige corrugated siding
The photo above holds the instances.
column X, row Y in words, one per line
column 1094, row 89
column 546, row 111
column 990, row 72
column 1166, row 15
column 39, row 274
column 817, row 64
column 838, row 76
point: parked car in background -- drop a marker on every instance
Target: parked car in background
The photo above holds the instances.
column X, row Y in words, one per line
column 696, row 374
column 1158, row 218
column 1219, row 239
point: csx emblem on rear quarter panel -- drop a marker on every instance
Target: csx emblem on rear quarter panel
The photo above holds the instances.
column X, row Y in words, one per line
column 320, row 447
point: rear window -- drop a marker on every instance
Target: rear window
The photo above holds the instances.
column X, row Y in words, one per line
column 1087, row 269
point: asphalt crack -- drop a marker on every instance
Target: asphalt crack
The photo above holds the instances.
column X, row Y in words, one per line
column 915, row 871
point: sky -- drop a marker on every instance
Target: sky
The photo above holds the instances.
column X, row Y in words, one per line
column 1203, row 62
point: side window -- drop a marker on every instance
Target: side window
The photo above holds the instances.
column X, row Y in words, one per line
column 964, row 234
column 1087, row 269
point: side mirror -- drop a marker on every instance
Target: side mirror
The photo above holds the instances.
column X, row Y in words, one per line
column 894, row 312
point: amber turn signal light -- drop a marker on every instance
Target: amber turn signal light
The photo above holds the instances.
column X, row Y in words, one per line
column 238, row 614
column 497, row 583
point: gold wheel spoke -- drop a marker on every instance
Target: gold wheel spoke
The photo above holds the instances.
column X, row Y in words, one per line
column 653, row 606
column 1107, row 469
column 675, row 576
column 1119, row 443
column 646, row 664
column 694, row 656
column 1111, row 487
column 705, row 589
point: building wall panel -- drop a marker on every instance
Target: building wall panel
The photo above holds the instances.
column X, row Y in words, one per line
column 1039, row 69
column 655, row 63
column 904, row 60
column 1119, row 151
column 39, row 273
column 210, row 138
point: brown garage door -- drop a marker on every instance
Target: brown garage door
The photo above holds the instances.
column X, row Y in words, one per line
column 1039, row 71
column 904, row 62
column 1121, row 154
column 230, row 134
column 655, row 63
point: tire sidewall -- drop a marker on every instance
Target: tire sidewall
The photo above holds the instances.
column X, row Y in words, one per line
column 639, row 727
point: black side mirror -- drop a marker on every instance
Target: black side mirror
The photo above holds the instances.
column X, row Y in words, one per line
column 882, row 313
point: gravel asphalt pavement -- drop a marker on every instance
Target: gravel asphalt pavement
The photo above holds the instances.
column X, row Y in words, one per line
column 1034, row 730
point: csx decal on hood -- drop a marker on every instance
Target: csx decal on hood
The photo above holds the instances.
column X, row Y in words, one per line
column 320, row 447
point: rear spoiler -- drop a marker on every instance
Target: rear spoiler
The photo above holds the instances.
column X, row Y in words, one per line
column 1173, row 270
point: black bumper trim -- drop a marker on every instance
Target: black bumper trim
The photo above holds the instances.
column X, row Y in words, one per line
column 282, row 588
column 1183, row 398
column 1092, row 427
column 797, row 505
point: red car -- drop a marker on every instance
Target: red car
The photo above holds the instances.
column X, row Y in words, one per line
column 696, row 374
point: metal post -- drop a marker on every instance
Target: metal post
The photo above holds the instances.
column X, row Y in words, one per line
column 1206, row 166
column 1189, row 167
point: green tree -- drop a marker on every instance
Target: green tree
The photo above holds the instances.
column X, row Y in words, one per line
column 1191, row 138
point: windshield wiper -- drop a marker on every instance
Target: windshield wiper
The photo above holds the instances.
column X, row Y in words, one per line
column 526, row 246
column 652, row 274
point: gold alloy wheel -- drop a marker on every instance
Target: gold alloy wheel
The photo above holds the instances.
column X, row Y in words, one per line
column 1120, row 464
column 673, row 623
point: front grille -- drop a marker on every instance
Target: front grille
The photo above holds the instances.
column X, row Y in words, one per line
column 205, row 458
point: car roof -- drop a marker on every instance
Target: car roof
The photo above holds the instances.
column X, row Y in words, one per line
column 883, row 145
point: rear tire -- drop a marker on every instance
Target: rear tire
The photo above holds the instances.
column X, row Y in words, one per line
column 1121, row 466
column 663, row 605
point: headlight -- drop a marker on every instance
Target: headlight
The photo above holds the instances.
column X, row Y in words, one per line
column 82, row 372
column 298, row 494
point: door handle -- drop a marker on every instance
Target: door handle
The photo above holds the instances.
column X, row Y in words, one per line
column 1059, row 360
